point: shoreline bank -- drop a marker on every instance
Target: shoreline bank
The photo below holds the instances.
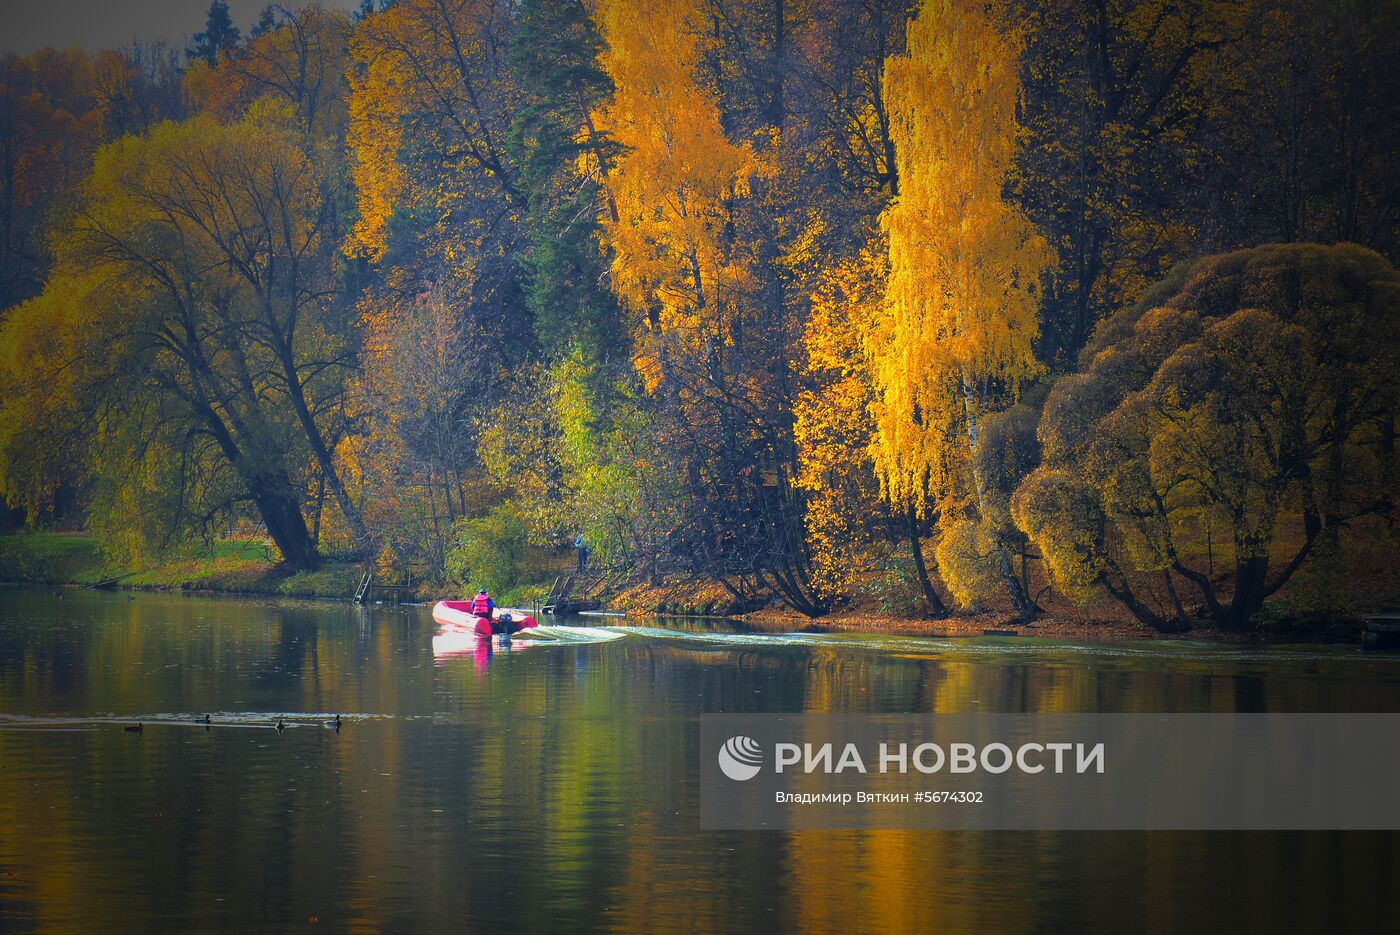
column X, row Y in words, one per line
column 228, row 567
column 243, row 569
column 1051, row 627
column 779, row 621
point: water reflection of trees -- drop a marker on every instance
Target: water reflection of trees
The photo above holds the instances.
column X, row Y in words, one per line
column 561, row 786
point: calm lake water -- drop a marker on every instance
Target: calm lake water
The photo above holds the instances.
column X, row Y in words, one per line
column 553, row 787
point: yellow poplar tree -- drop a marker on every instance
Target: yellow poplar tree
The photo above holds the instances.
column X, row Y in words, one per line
column 673, row 186
column 956, row 331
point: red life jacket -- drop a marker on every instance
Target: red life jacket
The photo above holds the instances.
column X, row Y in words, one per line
column 481, row 605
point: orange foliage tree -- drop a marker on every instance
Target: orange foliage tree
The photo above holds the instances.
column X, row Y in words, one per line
column 674, row 185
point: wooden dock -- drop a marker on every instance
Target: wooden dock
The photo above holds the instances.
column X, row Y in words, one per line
column 367, row 589
column 571, row 594
column 1381, row 632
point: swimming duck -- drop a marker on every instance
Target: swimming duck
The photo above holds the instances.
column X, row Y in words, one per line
column 280, row 726
column 133, row 728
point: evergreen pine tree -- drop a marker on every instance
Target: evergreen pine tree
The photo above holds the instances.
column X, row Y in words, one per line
column 220, row 35
column 555, row 59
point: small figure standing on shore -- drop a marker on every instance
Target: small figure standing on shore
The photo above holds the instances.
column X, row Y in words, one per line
column 582, row 545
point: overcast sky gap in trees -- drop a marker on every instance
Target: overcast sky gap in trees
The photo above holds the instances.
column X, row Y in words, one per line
column 29, row 25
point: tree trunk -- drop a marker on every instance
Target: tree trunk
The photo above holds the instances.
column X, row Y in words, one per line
column 1250, row 574
column 320, row 505
column 270, row 489
column 593, row 141
column 281, row 514
column 324, row 460
column 1124, row 595
column 1026, row 608
column 934, row 604
column 1177, row 607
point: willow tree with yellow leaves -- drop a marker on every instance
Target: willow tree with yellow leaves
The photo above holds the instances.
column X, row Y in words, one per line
column 954, row 338
column 187, row 326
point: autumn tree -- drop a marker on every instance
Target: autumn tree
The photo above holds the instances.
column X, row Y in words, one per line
column 845, row 521
column 50, row 123
column 844, row 89
column 674, row 185
column 56, row 109
column 956, row 332
column 842, row 182
column 137, row 87
column 438, row 191
column 694, row 267
column 442, row 203
column 409, row 457
column 767, row 63
column 1305, row 154
column 298, row 56
column 1252, row 395
column 432, row 100
column 197, row 253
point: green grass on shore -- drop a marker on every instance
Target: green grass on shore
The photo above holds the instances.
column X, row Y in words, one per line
column 52, row 558
column 242, row 566
column 234, row 565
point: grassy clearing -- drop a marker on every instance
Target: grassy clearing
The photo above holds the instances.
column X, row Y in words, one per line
column 52, row 558
column 232, row 565
column 244, row 566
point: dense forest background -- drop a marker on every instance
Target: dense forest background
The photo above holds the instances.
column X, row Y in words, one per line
column 838, row 303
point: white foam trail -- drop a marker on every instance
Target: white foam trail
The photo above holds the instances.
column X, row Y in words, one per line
column 561, row 634
column 1027, row 646
column 1017, row 646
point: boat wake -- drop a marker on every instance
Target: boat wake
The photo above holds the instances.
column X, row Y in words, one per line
column 1025, row 646
column 573, row 635
column 975, row 646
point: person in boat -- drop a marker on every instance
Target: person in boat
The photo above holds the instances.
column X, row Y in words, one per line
column 482, row 605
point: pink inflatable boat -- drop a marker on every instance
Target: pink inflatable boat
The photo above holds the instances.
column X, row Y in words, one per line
column 458, row 617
